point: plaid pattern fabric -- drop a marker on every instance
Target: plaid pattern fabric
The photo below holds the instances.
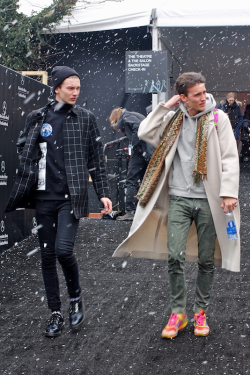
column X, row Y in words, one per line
column 83, row 154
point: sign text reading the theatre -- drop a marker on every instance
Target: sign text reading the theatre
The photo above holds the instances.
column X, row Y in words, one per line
column 139, row 63
column 146, row 71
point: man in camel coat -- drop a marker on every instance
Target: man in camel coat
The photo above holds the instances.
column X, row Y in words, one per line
column 191, row 182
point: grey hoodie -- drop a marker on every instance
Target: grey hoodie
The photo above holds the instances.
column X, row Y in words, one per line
column 180, row 177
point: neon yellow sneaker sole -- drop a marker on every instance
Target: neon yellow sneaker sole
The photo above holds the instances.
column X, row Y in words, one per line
column 175, row 324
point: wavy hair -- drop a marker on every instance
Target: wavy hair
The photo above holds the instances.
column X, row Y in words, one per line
column 115, row 116
column 186, row 80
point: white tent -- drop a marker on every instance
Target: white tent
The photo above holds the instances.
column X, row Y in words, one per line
column 211, row 37
column 106, row 15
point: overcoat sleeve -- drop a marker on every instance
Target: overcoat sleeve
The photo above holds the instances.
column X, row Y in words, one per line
column 23, row 134
column 96, row 162
column 152, row 127
column 229, row 158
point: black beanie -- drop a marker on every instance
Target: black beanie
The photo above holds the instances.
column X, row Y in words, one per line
column 60, row 73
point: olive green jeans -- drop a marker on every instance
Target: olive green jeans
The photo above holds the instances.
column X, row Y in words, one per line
column 182, row 212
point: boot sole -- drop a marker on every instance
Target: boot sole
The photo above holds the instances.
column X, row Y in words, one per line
column 50, row 334
column 77, row 326
column 201, row 333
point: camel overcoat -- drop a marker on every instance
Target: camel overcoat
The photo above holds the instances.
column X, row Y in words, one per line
column 148, row 234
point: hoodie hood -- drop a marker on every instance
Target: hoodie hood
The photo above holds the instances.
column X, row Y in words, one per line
column 180, row 177
column 120, row 122
column 210, row 105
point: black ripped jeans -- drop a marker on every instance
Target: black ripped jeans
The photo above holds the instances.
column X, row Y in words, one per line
column 57, row 238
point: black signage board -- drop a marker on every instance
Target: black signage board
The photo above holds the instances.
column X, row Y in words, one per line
column 146, row 72
column 19, row 95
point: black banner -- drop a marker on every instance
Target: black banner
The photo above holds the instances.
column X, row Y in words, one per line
column 146, row 72
column 19, row 95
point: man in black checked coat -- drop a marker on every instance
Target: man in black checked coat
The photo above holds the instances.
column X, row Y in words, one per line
column 59, row 147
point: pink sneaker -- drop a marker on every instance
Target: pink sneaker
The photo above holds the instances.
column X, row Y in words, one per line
column 200, row 324
column 175, row 324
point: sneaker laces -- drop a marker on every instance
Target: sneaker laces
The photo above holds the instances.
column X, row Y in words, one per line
column 55, row 318
column 173, row 319
column 201, row 318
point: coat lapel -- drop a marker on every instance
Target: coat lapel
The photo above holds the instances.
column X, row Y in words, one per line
column 29, row 149
column 211, row 124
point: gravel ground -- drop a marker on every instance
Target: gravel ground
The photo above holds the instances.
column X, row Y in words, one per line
column 127, row 306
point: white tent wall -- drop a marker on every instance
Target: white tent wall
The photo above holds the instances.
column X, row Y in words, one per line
column 211, row 37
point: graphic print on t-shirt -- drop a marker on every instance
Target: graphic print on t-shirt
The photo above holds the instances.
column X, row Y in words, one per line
column 46, row 130
column 41, row 185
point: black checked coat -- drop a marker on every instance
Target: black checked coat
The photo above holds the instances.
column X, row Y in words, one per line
column 83, row 155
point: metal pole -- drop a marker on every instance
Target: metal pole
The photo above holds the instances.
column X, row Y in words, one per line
column 156, row 46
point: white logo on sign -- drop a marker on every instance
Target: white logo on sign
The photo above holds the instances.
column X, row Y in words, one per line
column 3, row 237
column 22, row 91
column 2, row 226
column 34, row 222
column 4, row 119
column 4, row 108
column 3, row 177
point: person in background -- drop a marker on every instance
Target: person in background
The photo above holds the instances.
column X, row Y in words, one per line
column 128, row 123
column 232, row 108
column 59, row 147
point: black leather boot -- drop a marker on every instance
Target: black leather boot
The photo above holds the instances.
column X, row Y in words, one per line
column 76, row 313
column 55, row 325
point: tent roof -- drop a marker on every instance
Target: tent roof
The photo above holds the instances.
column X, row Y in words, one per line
column 211, row 37
column 107, row 15
column 203, row 14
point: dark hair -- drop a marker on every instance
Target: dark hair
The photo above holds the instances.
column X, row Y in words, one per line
column 186, row 80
